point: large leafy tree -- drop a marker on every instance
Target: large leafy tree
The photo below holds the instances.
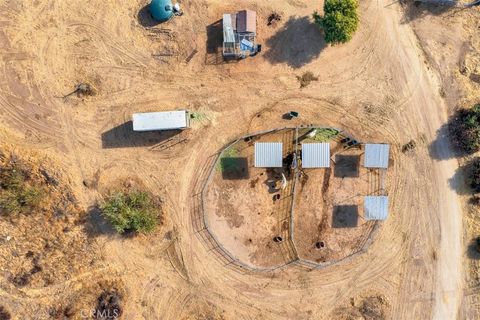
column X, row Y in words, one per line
column 465, row 129
column 340, row 20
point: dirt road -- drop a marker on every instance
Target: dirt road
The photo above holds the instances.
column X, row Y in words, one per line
column 433, row 111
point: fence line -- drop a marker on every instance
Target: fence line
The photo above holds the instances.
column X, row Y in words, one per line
column 201, row 224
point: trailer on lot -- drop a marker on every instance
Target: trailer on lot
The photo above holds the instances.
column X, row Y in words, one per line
column 165, row 120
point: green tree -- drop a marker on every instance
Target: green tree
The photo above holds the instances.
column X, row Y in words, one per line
column 340, row 20
column 132, row 211
column 465, row 129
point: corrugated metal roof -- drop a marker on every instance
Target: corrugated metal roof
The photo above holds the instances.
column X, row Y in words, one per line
column 228, row 34
column 376, row 155
column 268, row 154
column 376, row 207
column 247, row 21
column 316, row 155
column 167, row 120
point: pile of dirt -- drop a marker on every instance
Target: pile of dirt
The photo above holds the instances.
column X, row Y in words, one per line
column 373, row 307
column 44, row 243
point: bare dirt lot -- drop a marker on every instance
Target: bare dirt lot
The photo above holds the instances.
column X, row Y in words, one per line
column 329, row 214
column 397, row 79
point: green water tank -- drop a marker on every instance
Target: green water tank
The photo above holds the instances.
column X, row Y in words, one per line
column 161, row 10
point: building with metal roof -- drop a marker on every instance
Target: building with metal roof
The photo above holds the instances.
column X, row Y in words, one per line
column 376, row 207
column 228, row 33
column 239, row 34
column 246, row 21
column 315, row 155
column 167, row 120
column 268, row 154
column 376, row 155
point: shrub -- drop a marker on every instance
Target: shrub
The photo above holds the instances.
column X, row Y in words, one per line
column 306, row 78
column 465, row 129
column 340, row 20
column 131, row 211
column 474, row 179
column 17, row 195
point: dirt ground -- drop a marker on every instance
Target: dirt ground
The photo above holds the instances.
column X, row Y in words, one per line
column 240, row 206
column 329, row 208
column 405, row 69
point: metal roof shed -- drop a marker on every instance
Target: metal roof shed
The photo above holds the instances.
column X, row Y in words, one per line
column 376, row 207
column 315, row 155
column 376, row 155
column 167, row 120
column 268, row 154
column 228, row 31
column 246, row 21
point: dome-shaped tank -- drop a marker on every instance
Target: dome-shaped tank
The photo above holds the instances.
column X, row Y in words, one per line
column 161, row 10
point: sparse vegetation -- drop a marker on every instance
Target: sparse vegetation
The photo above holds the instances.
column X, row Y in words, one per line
column 199, row 116
column 108, row 305
column 340, row 20
column 82, row 89
column 306, row 78
column 17, row 193
column 325, row 134
column 131, row 211
column 409, row 146
column 465, row 129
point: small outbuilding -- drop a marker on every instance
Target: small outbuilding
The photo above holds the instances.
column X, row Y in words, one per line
column 315, row 155
column 239, row 34
column 166, row 120
column 268, row 154
column 376, row 155
column 376, row 207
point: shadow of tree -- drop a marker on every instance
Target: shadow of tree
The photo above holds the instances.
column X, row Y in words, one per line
column 414, row 9
column 96, row 225
column 446, row 144
column 459, row 182
column 297, row 43
column 472, row 251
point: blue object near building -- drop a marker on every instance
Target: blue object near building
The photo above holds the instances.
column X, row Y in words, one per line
column 161, row 10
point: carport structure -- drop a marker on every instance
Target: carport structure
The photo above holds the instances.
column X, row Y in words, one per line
column 375, row 207
column 316, row 155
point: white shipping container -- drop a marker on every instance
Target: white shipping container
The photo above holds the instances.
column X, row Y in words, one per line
column 166, row 120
